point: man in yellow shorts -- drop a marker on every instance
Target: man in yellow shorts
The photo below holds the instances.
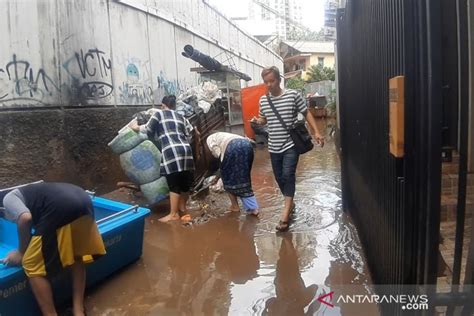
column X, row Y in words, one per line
column 56, row 229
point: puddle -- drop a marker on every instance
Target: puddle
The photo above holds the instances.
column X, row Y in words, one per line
column 233, row 264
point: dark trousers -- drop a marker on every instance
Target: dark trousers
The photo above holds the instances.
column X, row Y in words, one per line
column 284, row 168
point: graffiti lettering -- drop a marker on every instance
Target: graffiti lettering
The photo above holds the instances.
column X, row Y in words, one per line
column 135, row 94
column 27, row 84
column 95, row 90
column 84, row 69
column 90, row 61
column 168, row 87
column 2, row 87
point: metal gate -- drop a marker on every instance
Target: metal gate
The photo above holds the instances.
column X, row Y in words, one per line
column 395, row 202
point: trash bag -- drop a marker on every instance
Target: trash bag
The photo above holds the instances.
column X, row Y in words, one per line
column 140, row 159
column 142, row 163
column 155, row 191
column 184, row 109
column 204, row 105
column 126, row 140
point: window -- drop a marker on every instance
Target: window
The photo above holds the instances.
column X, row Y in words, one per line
column 321, row 61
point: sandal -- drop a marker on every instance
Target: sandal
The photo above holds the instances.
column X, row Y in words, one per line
column 283, row 226
column 253, row 212
column 186, row 218
column 292, row 210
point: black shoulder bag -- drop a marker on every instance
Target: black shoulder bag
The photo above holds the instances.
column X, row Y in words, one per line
column 298, row 132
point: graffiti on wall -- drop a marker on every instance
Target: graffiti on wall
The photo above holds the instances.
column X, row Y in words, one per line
column 20, row 81
column 135, row 90
column 91, row 74
column 90, row 71
column 88, row 80
column 167, row 87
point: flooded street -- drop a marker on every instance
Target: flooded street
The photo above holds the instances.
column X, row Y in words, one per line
column 232, row 264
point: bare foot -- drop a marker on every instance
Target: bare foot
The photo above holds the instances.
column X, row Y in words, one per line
column 169, row 217
column 234, row 209
column 253, row 213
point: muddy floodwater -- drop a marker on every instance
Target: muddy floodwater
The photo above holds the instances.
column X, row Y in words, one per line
column 227, row 263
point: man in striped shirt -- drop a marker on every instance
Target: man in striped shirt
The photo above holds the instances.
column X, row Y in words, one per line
column 284, row 157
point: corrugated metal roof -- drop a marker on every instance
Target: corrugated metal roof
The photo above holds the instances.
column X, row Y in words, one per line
column 311, row 47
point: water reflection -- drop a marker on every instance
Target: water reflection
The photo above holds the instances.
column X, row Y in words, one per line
column 293, row 297
column 232, row 264
column 205, row 260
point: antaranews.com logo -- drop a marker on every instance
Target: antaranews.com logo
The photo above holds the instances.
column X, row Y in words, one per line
column 406, row 301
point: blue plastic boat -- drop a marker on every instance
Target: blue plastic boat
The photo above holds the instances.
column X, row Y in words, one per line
column 121, row 226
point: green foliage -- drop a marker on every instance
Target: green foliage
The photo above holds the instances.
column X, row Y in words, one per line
column 296, row 83
column 331, row 106
column 296, row 34
column 318, row 73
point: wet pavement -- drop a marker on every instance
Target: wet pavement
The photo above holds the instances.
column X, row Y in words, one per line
column 232, row 264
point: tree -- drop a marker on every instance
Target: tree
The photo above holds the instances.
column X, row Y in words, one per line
column 304, row 35
column 296, row 83
column 319, row 73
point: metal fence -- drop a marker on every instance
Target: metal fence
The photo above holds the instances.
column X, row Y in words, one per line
column 326, row 87
column 395, row 202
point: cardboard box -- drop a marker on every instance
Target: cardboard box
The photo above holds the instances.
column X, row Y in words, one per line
column 397, row 116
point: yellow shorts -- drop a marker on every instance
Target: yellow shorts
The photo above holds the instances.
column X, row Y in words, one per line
column 78, row 241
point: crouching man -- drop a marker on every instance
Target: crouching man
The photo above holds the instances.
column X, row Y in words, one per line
column 56, row 229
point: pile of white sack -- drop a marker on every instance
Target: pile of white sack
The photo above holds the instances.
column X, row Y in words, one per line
column 204, row 95
column 140, row 160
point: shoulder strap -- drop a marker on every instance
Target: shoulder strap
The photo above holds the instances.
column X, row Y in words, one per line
column 276, row 113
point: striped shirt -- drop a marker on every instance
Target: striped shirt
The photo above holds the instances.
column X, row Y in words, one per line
column 171, row 129
column 288, row 104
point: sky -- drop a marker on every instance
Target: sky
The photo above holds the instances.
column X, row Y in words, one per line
column 313, row 11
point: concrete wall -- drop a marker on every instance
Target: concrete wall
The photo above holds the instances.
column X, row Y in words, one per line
column 72, row 73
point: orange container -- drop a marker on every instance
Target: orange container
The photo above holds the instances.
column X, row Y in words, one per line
column 250, row 105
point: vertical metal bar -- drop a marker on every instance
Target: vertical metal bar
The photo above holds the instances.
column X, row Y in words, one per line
column 463, row 141
column 419, row 134
column 434, row 141
column 469, row 278
column 410, row 240
column 433, row 150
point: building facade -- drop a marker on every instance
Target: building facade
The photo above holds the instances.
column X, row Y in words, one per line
column 299, row 56
column 272, row 17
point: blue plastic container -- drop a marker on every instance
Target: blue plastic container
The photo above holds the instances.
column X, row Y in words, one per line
column 121, row 226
